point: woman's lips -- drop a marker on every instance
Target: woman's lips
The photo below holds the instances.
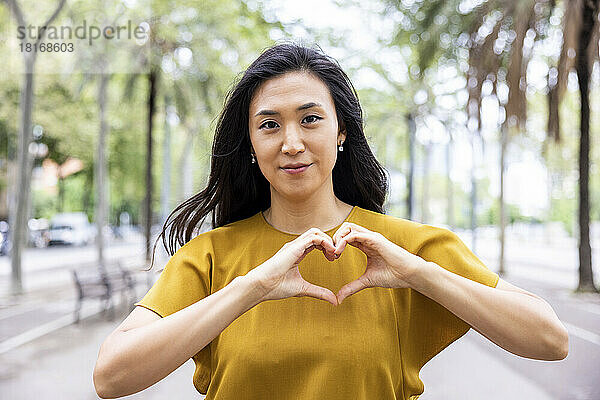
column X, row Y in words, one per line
column 296, row 170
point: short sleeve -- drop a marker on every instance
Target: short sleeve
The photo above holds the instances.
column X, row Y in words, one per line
column 432, row 327
column 185, row 279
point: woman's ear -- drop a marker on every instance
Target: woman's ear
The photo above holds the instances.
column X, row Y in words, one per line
column 342, row 133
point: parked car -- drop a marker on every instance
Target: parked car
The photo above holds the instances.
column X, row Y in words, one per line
column 70, row 228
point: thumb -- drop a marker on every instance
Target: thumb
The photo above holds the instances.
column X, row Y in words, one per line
column 351, row 288
column 318, row 292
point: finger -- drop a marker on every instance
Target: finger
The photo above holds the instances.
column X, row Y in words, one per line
column 351, row 288
column 318, row 292
column 314, row 238
column 355, row 239
column 346, row 228
column 328, row 254
column 366, row 242
column 320, row 238
column 342, row 230
column 339, row 247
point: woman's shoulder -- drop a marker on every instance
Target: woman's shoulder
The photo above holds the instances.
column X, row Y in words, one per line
column 233, row 232
column 411, row 234
column 387, row 222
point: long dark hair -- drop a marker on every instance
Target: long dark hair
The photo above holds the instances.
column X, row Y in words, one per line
column 237, row 189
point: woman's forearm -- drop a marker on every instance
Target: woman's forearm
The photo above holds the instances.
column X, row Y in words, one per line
column 130, row 361
column 519, row 323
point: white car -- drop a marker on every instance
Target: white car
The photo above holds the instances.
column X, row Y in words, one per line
column 70, row 228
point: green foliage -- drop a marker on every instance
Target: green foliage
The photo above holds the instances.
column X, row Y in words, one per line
column 44, row 204
column 492, row 215
column 223, row 38
column 564, row 210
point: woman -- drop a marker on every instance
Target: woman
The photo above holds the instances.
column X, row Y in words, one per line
column 292, row 172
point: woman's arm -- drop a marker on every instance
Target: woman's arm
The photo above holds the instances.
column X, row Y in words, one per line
column 131, row 360
column 142, row 352
column 518, row 321
column 514, row 319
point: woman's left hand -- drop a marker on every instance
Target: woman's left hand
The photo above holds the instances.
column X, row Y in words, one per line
column 388, row 265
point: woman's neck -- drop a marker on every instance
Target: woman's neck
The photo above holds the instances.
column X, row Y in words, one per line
column 296, row 217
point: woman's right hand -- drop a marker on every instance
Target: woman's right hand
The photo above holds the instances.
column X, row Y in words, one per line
column 279, row 276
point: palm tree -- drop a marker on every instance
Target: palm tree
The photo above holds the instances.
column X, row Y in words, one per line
column 498, row 35
column 581, row 31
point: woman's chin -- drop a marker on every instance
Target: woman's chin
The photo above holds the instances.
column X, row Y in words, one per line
column 297, row 191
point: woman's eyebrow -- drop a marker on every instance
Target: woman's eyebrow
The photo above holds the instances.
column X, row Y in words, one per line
column 302, row 107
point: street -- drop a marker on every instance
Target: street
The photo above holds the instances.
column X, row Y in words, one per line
column 51, row 266
column 471, row 368
column 59, row 366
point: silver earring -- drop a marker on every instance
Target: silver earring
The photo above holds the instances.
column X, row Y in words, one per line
column 341, row 148
column 253, row 159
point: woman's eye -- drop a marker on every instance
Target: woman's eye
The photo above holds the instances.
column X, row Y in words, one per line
column 267, row 126
column 313, row 117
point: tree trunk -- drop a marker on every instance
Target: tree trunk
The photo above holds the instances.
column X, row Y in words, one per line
column 473, row 193
column 101, row 169
column 61, row 194
column 152, row 86
column 502, row 238
column 86, row 201
column 411, row 167
column 186, row 168
column 449, row 184
column 425, row 188
column 586, row 276
column 166, row 167
column 20, row 206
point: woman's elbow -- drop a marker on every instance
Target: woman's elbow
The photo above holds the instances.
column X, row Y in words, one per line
column 564, row 343
column 102, row 388
column 559, row 343
column 105, row 381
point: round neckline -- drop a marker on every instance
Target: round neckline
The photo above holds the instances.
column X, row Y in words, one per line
column 332, row 230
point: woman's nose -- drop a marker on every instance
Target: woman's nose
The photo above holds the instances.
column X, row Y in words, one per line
column 292, row 140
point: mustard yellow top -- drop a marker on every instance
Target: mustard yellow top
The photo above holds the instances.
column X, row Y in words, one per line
column 372, row 346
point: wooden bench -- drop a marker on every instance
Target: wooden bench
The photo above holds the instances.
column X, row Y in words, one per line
column 102, row 282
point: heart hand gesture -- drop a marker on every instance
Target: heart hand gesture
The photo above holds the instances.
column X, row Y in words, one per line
column 388, row 265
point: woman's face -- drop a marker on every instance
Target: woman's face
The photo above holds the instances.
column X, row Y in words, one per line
column 293, row 122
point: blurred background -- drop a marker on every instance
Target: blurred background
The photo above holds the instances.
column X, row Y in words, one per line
column 485, row 113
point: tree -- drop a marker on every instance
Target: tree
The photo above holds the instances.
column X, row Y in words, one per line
column 581, row 32
column 498, row 36
column 20, row 205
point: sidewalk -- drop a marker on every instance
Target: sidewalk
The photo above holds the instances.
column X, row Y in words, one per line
column 464, row 372
column 48, row 303
column 59, row 365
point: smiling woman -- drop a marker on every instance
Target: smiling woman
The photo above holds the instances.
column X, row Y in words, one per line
column 291, row 172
